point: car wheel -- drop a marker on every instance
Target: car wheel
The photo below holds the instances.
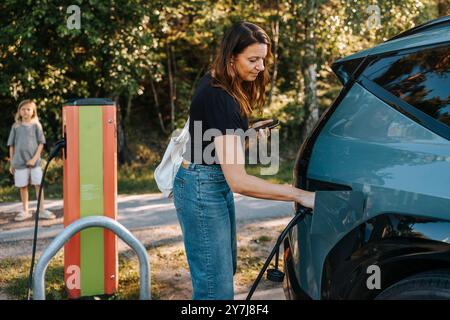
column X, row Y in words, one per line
column 431, row 285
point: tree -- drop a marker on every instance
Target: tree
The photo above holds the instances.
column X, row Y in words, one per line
column 153, row 53
column 107, row 57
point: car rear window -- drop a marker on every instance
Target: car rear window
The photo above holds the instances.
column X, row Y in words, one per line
column 421, row 78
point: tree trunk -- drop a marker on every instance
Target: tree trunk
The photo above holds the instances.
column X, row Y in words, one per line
column 158, row 109
column 128, row 109
column 309, row 71
column 171, row 87
column 275, row 35
column 298, row 85
column 123, row 153
column 442, row 6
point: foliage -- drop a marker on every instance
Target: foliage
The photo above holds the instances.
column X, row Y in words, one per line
column 124, row 47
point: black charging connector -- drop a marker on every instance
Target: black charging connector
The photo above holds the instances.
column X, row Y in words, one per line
column 275, row 274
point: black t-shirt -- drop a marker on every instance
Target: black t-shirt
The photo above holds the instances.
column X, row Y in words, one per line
column 215, row 109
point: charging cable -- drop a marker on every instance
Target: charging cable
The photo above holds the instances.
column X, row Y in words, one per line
column 275, row 274
column 55, row 151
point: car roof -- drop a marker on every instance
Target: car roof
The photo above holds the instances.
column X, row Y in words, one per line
column 433, row 32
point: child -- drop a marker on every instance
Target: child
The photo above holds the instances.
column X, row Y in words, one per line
column 26, row 141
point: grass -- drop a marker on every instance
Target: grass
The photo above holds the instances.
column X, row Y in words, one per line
column 283, row 175
column 14, row 279
column 169, row 269
column 133, row 179
column 252, row 255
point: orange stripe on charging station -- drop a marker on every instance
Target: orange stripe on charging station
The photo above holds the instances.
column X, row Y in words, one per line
column 71, row 192
column 110, row 196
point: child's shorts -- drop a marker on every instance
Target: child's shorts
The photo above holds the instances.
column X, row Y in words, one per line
column 22, row 177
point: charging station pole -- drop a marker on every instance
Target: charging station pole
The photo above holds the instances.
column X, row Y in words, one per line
column 90, row 189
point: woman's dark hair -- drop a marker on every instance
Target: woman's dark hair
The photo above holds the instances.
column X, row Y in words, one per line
column 249, row 94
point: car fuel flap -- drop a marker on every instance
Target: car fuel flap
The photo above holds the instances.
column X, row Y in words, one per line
column 335, row 214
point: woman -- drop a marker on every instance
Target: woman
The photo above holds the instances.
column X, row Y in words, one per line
column 203, row 192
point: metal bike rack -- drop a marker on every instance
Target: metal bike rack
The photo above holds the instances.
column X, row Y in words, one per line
column 84, row 223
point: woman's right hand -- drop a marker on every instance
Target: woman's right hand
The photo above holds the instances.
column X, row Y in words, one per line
column 305, row 198
column 11, row 169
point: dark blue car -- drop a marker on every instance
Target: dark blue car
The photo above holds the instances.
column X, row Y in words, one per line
column 386, row 136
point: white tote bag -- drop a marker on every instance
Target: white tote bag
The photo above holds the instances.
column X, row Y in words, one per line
column 166, row 171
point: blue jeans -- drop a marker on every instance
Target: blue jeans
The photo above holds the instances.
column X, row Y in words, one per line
column 205, row 209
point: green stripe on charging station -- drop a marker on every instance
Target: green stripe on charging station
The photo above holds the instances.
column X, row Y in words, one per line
column 91, row 198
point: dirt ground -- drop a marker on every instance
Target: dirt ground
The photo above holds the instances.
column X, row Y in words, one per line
column 169, row 270
column 255, row 241
column 7, row 220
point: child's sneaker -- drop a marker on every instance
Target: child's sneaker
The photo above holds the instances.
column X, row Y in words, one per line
column 22, row 216
column 46, row 215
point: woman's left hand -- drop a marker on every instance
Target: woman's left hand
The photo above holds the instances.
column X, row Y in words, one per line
column 262, row 133
column 261, row 123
